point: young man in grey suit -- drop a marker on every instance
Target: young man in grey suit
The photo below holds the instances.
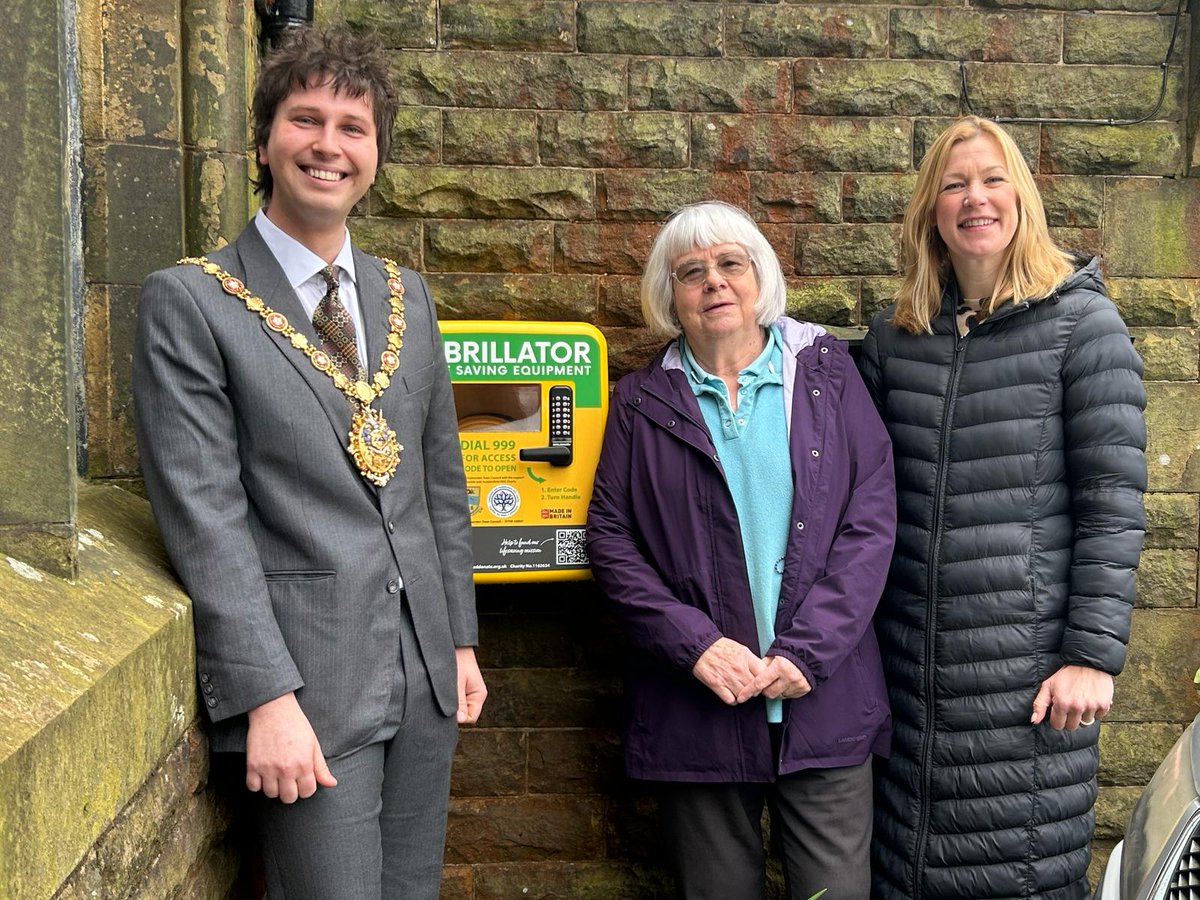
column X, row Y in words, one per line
column 299, row 445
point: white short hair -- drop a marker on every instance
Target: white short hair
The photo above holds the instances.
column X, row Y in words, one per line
column 701, row 225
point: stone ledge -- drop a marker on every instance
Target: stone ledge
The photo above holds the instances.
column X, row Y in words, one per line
column 96, row 688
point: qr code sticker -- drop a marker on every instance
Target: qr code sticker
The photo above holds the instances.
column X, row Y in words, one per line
column 569, row 547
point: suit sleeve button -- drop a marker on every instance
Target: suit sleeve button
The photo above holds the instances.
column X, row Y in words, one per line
column 204, row 677
column 212, row 701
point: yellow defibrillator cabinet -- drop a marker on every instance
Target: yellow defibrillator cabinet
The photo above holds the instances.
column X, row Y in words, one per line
column 532, row 399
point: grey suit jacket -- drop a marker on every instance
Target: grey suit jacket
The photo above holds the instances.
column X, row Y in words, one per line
column 290, row 556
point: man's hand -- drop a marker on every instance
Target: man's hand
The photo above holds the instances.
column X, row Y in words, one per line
column 283, row 757
column 471, row 689
column 726, row 667
column 779, row 677
column 1075, row 696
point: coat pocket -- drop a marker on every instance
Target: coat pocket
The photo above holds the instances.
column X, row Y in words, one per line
column 299, row 575
column 868, row 686
column 305, row 608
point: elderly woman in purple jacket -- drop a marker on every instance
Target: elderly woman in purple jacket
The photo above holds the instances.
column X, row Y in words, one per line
column 742, row 523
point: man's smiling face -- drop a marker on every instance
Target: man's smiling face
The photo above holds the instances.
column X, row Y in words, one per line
column 323, row 154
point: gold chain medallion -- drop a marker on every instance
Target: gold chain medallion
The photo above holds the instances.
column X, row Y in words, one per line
column 373, row 445
column 372, row 442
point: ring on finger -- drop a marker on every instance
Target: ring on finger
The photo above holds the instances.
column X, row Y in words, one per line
column 1085, row 722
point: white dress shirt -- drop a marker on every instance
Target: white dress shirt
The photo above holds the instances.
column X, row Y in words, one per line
column 303, row 268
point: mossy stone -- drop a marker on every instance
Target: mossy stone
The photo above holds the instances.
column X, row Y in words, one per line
column 1172, row 520
column 876, row 87
column 828, row 301
column 1167, row 578
column 1152, row 227
column 1169, row 354
column 443, row 192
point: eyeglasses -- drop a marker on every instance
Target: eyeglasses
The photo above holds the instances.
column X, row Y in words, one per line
column 693, row 272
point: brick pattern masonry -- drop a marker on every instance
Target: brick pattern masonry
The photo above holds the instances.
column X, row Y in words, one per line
column 539, row 145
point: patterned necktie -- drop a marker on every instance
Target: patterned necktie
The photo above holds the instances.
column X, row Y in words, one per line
column 336, row 329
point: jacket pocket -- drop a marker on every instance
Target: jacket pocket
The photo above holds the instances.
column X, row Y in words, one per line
column 870, row 692
column 313, row 628
column 299, row 575
column 300, row 593
column 299, row 597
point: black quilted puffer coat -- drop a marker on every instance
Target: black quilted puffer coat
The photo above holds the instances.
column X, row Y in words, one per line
column 1019, row 477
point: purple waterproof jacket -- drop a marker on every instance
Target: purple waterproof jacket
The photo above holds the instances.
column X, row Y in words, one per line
column 666, row 548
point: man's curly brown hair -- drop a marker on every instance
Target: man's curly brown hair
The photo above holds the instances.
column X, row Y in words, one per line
column 355, row 65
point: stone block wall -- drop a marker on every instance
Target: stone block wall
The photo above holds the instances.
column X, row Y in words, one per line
column 539, row 807
column 105, row 791
column 37, row 197
column 172, row 840
column 539, row 145
column 128, row 137
column 165, row 166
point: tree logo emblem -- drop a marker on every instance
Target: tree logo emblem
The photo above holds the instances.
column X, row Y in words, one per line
column 503, row 500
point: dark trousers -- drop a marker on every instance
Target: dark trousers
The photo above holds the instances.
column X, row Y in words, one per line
column 821, row 819
column 380, row 834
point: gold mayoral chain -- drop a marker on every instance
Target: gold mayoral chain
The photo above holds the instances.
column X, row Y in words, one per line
column 373, row 444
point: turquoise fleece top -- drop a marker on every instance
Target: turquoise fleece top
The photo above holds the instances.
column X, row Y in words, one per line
column 753, row 445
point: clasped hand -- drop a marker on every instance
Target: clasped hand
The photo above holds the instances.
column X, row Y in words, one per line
column 735, row 674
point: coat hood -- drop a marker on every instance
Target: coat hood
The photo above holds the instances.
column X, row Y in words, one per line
column 796, row 337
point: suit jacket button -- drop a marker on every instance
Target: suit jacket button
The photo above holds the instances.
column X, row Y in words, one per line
column 393, row 587
column 391, row 527
column 212, row 701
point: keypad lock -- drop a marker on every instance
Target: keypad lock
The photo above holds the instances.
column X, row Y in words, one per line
column 561, row 413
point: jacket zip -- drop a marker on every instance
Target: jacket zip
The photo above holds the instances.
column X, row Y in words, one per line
column 939, row 493
column 939, row 506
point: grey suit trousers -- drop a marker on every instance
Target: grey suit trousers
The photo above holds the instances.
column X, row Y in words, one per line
column 380, row 834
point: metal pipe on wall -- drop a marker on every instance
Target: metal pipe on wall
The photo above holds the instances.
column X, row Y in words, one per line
column 277, row 16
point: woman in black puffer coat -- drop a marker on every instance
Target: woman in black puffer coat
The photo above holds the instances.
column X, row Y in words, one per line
column 1014, row 400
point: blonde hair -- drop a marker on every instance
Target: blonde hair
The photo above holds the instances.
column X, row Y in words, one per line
column 703, row 225
column 1033, row 265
